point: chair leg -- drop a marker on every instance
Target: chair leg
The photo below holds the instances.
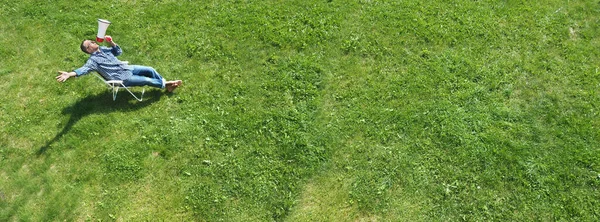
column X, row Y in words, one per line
column 134, row 96
column 115, row 89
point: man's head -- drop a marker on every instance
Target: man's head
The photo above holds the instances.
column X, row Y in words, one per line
column 89, row 46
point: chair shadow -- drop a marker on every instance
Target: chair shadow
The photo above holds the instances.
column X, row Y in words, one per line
column 99, row 104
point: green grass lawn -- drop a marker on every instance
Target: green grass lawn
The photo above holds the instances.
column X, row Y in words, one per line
column 311, row 110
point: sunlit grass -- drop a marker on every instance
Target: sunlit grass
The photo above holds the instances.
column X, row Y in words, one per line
column 305, row 111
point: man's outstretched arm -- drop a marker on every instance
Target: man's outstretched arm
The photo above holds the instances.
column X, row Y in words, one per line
column 64, row 76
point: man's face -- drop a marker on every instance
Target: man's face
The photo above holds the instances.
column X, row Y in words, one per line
column 90, row 46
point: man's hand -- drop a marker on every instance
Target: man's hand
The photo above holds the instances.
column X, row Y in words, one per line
column 64, row 76
column 109, row 39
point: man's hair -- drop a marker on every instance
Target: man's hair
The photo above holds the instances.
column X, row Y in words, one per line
column 83, row 48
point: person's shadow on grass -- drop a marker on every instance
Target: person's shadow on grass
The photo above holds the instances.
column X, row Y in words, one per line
column 100, row 103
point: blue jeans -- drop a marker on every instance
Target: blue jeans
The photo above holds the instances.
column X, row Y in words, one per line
column 144, row 76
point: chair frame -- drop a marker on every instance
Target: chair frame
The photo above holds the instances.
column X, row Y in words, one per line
column 115, row 85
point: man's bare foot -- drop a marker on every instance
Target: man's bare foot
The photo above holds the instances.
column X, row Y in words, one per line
column 172, row 85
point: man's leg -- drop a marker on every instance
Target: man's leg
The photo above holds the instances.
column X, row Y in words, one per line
column 145, row 76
